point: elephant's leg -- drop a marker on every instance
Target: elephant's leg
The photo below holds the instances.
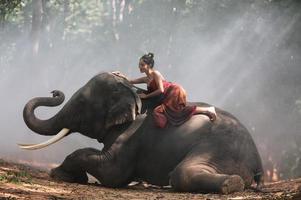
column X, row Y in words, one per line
column 110, row 172
column 75, row 166
column 188, row 177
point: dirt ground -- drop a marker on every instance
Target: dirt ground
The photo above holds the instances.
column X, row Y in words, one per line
column 18, row 181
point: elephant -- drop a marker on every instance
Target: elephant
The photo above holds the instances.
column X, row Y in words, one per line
column 197, row 156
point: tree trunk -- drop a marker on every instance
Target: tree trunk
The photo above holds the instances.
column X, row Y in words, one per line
column 37, row 18
column 66, row 14
column 117, row 16
column 2, row 19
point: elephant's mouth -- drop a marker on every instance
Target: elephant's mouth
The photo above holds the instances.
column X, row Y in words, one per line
column 52, row 140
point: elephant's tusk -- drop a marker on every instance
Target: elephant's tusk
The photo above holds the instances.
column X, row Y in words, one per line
column 52, row 140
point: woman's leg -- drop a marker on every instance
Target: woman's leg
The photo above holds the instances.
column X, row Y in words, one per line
column 209, row 111
column 151, row 103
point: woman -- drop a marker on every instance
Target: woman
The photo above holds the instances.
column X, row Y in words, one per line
column 169, row 98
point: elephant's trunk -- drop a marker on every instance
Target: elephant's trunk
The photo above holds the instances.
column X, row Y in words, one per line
column 43, row 127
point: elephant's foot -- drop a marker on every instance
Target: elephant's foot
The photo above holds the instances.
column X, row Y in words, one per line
column 233, row 183
column 76, row 177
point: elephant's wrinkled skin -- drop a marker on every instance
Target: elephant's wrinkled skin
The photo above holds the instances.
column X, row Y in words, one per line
column 196, row 156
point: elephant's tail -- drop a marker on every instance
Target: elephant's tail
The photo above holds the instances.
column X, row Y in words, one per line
column 258, row 178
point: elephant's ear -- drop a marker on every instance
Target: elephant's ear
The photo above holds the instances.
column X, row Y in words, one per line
column 125, row 106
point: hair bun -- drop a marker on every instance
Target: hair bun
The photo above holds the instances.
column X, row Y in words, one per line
column 148, row 59
column 151, row 55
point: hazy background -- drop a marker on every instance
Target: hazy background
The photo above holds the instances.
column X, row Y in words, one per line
column 241, row 56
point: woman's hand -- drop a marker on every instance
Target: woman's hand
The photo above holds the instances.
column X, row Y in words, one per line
column 142, row 95
column 118, row 73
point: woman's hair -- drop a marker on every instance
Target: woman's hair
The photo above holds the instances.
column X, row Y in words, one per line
column 148, row 59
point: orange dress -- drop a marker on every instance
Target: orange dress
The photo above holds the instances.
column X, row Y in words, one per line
column 173, row 109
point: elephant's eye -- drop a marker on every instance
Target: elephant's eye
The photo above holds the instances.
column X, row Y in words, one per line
column 81, row 99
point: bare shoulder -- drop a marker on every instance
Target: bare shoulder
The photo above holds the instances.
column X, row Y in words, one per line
column 158, row 74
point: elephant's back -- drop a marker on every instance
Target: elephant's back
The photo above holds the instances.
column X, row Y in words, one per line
column 162, row 150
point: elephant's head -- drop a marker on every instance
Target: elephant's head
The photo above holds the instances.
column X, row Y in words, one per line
column 104, row 102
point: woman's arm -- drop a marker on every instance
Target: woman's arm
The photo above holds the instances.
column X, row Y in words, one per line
column 133, row 81
column 138, row 80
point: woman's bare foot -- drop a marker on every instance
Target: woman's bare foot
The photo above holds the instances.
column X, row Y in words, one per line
column 208, row 111
column 212, row 113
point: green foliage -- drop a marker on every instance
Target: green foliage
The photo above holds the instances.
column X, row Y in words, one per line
column 16, row 177
column 7, row 6
column 83, row 18
column 290, row 167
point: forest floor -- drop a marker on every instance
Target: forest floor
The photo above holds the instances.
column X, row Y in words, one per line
column 19, row 181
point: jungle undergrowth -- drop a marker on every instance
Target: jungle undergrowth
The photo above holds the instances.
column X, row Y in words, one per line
column 16, row 177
